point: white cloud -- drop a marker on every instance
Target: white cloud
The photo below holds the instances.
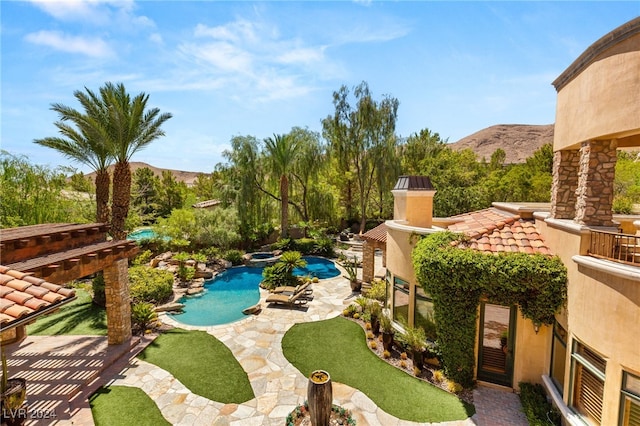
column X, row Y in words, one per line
column 303, row 55
column 93, row 47
column 95, row 12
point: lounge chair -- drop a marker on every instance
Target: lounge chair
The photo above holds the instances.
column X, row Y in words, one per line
column 296, row 299
column 302, row 288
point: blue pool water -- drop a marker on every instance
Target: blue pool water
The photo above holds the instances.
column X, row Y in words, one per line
column 231, row 291
column 142, row 234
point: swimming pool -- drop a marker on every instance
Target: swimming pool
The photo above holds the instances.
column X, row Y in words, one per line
column 142, row 234
column 235, row 289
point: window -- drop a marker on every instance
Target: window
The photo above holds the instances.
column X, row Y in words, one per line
column 424, row 313
column 630, row 404
column 558, row 356
column 400, row 299
column 588, row 370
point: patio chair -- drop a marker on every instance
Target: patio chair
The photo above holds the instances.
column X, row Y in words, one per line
column 296, row 299
column 303, row 288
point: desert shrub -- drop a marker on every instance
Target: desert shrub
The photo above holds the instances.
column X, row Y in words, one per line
column 324, row 247
column 622, row 205
column 150, row 285
column 284, row 244
column 143, row 314
column 305, row 245
column 233, row 256
column 378, row 290
column 539, row 411
column 143, row 258
column 454, row 387
column 275, row 276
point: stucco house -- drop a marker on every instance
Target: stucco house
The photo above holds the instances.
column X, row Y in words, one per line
column 589, row 360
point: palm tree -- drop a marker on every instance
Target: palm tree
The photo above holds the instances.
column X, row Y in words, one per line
column 85, row 142
column 130, row 129
column 282, row 151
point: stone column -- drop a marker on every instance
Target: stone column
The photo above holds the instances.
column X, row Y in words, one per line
column 368, row 261
column 566, row 165
column 116, row 283
column 594, row 195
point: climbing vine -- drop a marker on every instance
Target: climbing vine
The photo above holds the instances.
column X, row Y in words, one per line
column 456, row 278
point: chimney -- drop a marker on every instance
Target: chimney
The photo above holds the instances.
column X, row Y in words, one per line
column 413, row 201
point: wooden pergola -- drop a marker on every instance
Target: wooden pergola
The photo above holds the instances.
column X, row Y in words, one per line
column 62, row 252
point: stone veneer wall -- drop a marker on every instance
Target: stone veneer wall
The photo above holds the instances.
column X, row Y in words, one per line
column 116, row 280
column 368, row 261
column 566, row 165
column 595, row 183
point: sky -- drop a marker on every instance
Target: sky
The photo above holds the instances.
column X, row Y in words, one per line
column 238, row 68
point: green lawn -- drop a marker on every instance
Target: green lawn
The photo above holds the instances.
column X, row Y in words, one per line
column 201, row 363
column 119, row 405
column 339, row 347
column 80, row 317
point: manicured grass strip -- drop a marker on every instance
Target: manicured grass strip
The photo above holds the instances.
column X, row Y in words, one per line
column 120, row 405
column 339, row 347
column 80, row 317
column 201, row 363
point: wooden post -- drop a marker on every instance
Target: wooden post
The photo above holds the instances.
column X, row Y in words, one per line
column 320, row 398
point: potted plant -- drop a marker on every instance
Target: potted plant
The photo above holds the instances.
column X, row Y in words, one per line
column 352, row 274
column 375, row 311
column 12, row 391
column 415, row 339
column 504, row 340
column 387, row 332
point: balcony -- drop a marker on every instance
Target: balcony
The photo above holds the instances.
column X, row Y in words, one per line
column 618, row 247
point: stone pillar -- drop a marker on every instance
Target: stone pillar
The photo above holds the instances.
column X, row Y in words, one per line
column 566, row 165
column 116, row 283
column 368, row 261
column 594, row 195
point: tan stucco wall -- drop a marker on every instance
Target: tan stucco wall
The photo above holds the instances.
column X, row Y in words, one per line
column 399, row 248
column 603, row 313
column 413, row 207
column 602, row 101
column 532, row 352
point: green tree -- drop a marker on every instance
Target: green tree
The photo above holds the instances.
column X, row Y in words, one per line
column 420, row 147
column 130, row 127
column 33, row 195
column 311, row 159
column 358, row 137
column 144, row 194
column 217, row 227
column 254, row 209
column 171, row 193
column 85, row 139
column 281, row 152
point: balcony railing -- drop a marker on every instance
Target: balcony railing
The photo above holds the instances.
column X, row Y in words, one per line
column 614, row 246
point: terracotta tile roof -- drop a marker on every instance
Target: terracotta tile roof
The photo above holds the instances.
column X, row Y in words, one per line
column 379, row 233
column 495, row 231
column 23, row 296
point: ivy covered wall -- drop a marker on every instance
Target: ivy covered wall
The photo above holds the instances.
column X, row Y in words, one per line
column 456, row 278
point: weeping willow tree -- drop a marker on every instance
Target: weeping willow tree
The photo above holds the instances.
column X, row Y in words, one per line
column 255, row 208
column 33, row 194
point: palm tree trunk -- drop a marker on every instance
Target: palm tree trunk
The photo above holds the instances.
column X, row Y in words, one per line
column 103, row 184
column 121, row 199
column 284, row 211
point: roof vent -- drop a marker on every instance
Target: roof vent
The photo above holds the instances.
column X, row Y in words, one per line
column 414, row 183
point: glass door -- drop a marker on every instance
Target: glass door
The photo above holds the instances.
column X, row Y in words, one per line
column 497, row 328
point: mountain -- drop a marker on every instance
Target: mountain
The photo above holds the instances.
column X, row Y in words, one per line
column 519, row 141
column 181, row 176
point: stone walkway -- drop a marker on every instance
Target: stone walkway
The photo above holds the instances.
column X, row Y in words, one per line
column 279, row 386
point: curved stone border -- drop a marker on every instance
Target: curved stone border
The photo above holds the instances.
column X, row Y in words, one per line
column 256, row 343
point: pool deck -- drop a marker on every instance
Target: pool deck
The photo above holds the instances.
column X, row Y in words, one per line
column 279, row 387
